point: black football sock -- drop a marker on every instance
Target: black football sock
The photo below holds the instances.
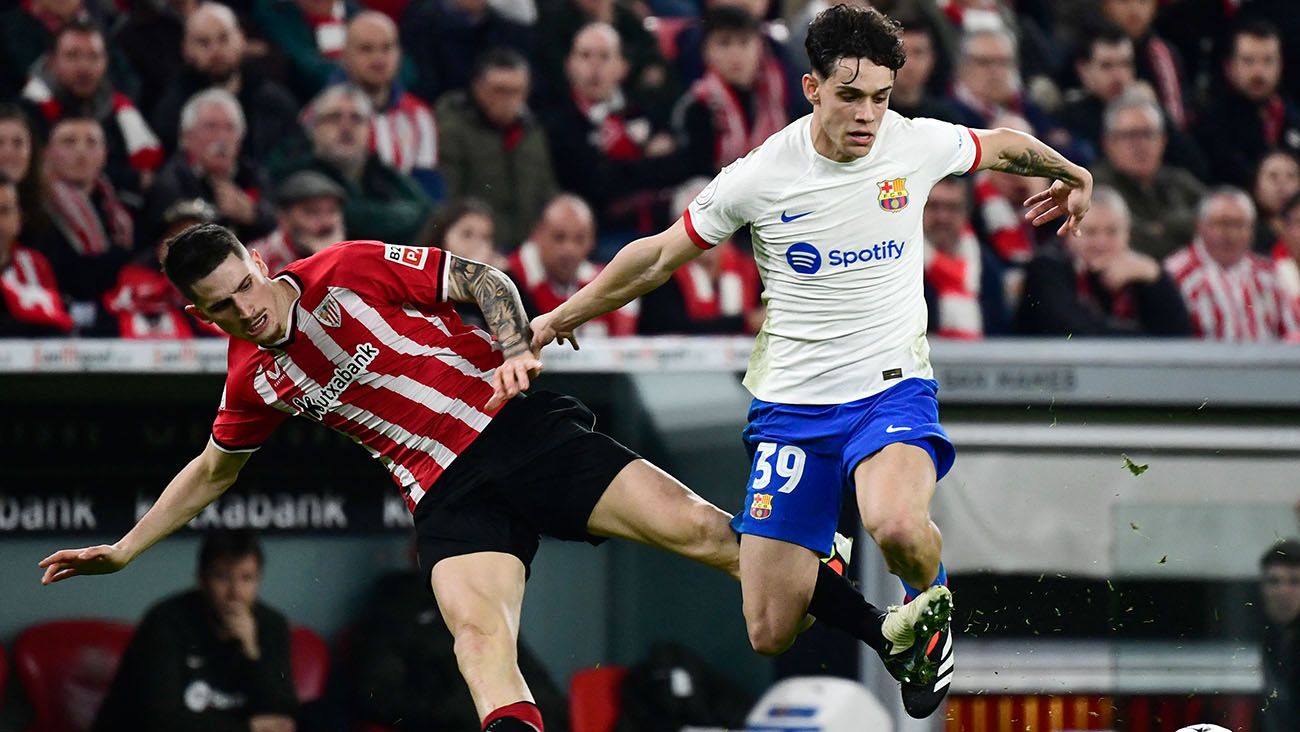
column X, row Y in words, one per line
column 836, row 603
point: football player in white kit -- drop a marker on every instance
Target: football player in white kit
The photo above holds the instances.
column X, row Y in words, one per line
column 844, row 395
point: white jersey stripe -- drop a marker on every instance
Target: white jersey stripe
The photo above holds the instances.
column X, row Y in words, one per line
column 375, row 323
column 433, row 399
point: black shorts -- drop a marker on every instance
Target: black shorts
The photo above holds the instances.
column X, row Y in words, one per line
column 537, row 469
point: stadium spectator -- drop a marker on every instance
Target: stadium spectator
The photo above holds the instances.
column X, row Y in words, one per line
column 1156, row 61
column 214, row 50
column 381, row 202
column 402, row 132
column 989, row 84
column 1277, row 180
column 149, row 34
column 1280, row 590
column 740, row 100
column 310, row 34
column 493, row 147
column 911, row 96
column 1095, row 285
column 552, row 265
column 211, row 658
column 1286, row 252
column 73, row 82
column 650, row 79
column 1162, row 199
column 964, row 288
column 20, row 162
column 144, row 304
column 997, row 216
column 30, row 302
column 208, row 166
column 310, row 219
column 92, row 233
column 1231, row 293
column 1251, row 115
column 28, row 30
column 1103, row 61
column 444, row 39
column 606, row 147
column 464, row 228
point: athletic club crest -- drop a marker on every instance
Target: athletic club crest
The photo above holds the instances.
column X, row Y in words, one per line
column 761, row 508
column 893, row 194
column 329, row 312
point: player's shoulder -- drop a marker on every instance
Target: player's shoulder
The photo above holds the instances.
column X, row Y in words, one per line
column 772, row 167
column 356, row 262
column 920, row 131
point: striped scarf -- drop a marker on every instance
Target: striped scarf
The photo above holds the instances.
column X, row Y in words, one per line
column 81, row 223
column 734, row 139
column 955, row 278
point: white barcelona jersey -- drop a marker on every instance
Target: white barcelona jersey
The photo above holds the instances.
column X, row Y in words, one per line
column 839, row 247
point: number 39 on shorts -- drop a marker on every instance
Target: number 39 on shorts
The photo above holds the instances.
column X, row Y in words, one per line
column 786, row 461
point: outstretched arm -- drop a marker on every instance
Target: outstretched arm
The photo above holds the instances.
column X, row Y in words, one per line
column 498, row 298
column 637, row 269
column 1015, row 152
column 198, row 484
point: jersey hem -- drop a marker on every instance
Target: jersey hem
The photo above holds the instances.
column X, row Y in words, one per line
column 232, row 449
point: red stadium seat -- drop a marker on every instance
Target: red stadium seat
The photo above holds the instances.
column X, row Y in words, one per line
column 310, row 658
column 66, row 668
column 594, row 700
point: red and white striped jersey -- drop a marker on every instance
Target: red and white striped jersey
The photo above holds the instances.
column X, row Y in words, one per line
column 1239, row 303
column 375, row 351
column 405, row 135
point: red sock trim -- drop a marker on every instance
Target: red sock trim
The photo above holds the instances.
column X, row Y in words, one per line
column 523, row 711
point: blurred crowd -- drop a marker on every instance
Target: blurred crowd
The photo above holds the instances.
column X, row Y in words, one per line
column 542, row 135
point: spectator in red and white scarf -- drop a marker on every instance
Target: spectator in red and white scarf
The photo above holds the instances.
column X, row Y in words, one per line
column 1095, row 285
column 30, row 302
column 1157, row 62
column 403, row 132
column 964, row 283
column 1232, row 293
column 1251, row 115
column 92, row 232
column 553, row 264
column 740, row 100
column 73, row 82
column 998, row 198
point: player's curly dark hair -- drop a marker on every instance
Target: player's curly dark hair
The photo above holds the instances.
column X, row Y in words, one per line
column 195, row 252
column 851, row 32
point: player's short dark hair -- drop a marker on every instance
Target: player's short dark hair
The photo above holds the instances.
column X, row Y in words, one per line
column 452, row 212
column 1254, row 28
column 728, row 19
column 1100, row 32
column 1284, row 553
column 77, row 25
column 195, row 252
column 498, row 58
column 851, row 32
column 228, row 545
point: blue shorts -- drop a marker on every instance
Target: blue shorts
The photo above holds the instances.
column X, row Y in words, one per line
column 804, row 457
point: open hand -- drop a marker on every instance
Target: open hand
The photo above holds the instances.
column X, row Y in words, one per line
column 102, row 559
column 544, row 333
column 512, row 378
column 1061, row 198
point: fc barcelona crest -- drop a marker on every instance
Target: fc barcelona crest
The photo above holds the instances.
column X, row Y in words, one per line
column 329, row 312
column 761, row 508
column 893, row 194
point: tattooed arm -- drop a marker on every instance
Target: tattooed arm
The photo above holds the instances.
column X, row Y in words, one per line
column 498, row 298
column 1015, row 152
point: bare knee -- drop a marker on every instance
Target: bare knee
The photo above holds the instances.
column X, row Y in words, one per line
column 770, row 638
column 900, row 534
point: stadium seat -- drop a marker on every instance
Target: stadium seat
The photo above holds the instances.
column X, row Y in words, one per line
column 66, row 668
column 310, row 658
column 594, row 699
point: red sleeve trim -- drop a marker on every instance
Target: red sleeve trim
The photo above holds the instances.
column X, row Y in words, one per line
column 978, row 152
column 692, row 233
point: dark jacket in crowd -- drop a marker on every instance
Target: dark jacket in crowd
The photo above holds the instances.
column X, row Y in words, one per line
column 270, row 111
column 444, row 44
column 179, row 181
column 1231, row 131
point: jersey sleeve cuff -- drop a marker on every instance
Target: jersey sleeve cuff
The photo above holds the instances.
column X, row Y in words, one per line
column 233, row 449
column 692, row 233
column 978, row 152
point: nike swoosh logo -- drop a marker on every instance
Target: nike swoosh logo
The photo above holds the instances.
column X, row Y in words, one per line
column 891, row 429
column 787, row 219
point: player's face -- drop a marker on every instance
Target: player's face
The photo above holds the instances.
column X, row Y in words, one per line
column 1281, row 589
column 1102, row 235
column 848, row 107
column 1110, row 70
column 1255, row 67
column 15, row 149
column 1277, row 181
column 231, row 584
column 1226, row 229
column 238, row 298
